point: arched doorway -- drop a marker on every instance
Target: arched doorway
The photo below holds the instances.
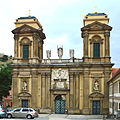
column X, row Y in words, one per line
column 59, row 105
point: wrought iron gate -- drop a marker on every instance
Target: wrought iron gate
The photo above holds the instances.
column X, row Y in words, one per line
column 59, row 105
column 96, row 107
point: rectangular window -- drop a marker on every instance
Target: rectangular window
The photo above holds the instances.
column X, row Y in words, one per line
column 38, row 51
column 96, row 50
column 119, row 86
column 119, row 106
column 26, row 51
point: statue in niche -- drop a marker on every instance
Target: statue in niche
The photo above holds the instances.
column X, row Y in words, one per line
column 24, row 85
column 96, row 85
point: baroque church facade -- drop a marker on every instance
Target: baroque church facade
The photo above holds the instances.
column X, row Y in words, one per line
column 78, row 86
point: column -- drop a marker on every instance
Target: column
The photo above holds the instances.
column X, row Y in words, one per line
column 85, row 36
column 71, row 91
column 77, row 92
column 86, row 92
column 41, row 49
column 43, row 90
column 81, row 92
column 35, row 45
column 39, row 90
column 105, row 108
column 16, row 38
column 107, row 44
column 48, row 90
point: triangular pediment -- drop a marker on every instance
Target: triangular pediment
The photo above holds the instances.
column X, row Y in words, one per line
column 96, row 26
column 96, row 95
column 24, row 94
column 25, row 29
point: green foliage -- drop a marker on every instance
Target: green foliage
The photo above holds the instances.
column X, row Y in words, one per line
column 5, row 80
column 4, row 58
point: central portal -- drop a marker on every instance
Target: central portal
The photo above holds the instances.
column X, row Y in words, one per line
column 59, row 105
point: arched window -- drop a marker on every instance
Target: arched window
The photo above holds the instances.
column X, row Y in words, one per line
column 26, row 51
column 96, row 41
column 25, row 47
column 96, row 50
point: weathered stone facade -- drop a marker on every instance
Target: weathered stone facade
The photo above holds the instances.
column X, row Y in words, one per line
column 78, row 84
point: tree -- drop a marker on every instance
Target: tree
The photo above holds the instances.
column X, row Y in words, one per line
column 5, row 80
column 5, row 58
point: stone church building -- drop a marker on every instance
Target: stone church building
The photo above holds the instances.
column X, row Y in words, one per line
column 78, row 86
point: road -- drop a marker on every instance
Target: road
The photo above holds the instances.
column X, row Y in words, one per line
column 64, row 117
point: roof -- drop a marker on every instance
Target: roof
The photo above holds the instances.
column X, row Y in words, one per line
column 8, row 97
column 95, row 14
column 28, row 17
column 115, row 72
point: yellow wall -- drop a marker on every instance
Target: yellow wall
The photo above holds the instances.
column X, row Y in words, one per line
column 99, row 18
column 31, row 22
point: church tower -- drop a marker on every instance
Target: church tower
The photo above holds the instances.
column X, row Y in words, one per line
column 28, row 38
column 96, row 34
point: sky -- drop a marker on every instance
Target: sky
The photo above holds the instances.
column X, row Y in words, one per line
column 62, row 21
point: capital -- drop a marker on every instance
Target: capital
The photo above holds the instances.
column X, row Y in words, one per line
column 85, row 34
column 107, row 34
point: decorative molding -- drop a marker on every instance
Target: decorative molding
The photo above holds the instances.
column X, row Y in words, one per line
column 96, row 39
column 24, row 94
column 96, row 26
column 96, row 95
column 25, row 41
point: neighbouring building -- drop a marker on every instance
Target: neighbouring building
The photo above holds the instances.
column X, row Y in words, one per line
column 56, row 85
column 114, row 92
column 7, row 101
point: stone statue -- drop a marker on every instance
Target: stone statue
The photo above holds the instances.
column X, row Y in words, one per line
column 60, row 52
column 48, row 52
column 96, row 85
column 71, row 51
column 59, row 73
column 24, row 85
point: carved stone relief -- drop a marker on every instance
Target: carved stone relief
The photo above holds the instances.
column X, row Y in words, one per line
column 60, row 78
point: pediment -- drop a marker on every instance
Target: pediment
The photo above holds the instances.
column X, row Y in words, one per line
column 96, row 95
column 24, row 94
column 25, row 29
column 97, row 26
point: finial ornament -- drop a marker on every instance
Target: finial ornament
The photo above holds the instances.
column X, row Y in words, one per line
column 95, row 9
column 29, row 13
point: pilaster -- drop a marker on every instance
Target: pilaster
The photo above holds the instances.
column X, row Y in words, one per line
column 107, row 44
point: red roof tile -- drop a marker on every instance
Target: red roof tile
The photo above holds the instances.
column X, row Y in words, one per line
column 114, row 71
